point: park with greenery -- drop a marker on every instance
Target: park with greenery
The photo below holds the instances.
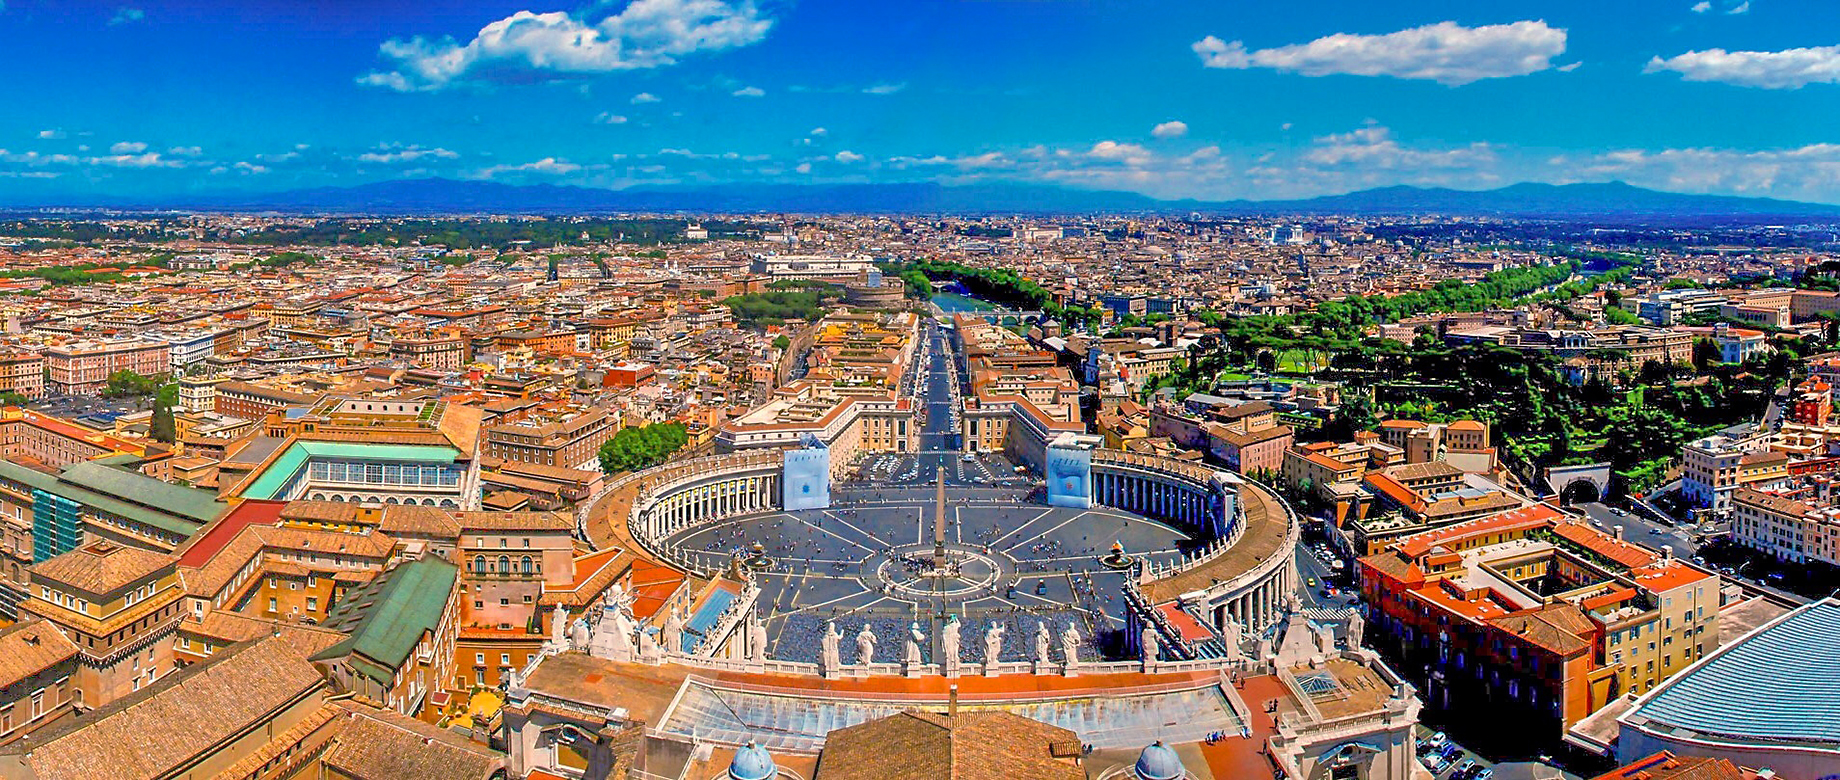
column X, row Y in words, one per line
column 643, row 447
column 1636, row 419
column 787, row 299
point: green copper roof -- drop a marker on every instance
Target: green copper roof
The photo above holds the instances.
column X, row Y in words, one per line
column 387, row 616
column 143, row 499
column 134, row 487
column 295, row 458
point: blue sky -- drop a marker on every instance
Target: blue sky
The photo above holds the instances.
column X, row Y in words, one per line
column 1173, row 99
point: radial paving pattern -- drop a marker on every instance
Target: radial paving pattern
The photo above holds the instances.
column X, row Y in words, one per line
column 870, row 560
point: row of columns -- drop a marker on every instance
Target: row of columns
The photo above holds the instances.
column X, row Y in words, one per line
column 1153, row 497
column 737, row 496
column 1262, row 605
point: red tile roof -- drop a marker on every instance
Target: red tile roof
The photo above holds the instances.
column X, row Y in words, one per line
column 1523, row 519
column 220, row 532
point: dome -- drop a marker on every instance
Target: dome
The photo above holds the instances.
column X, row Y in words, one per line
column 753, row 763
column 1159, row 762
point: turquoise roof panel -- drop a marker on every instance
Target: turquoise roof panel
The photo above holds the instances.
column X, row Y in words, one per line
column 1775, row 684
column 295, row 457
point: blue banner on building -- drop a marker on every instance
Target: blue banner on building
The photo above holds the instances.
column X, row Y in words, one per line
column 807, row 477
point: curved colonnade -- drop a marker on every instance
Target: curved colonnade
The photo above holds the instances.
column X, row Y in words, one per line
column 1242, row 572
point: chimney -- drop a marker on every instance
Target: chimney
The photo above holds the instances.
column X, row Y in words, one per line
column 1617, row 531
column 1667, row 552
column 952, row 701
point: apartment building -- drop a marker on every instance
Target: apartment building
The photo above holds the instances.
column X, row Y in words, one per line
column 1795, row 521
column 571, row 440
column 1713, row 467
column 23, row 373
column 431, row 351
column 1535, row 621
column 38, row 679
column 83, row 367
column 120, row 606
column 252, row 401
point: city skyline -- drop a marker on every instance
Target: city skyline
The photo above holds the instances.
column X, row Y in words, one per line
column 1170, row 100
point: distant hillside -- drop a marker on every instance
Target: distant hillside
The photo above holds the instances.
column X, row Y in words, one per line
column 1541, row 200
column 1614, row 200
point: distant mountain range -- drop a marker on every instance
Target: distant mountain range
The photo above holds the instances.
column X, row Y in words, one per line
column 1614, row 201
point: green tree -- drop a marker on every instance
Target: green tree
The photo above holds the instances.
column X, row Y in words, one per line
column 163, row 428
column 637, row 448
column 1616, row 316
column 126, row 384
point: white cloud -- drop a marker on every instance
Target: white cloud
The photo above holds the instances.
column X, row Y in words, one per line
column 1808, row 172
column 1741, row 8
column 1374, row 147
column 530, row 46
column 51, row 135
column 143, row 160
column 846, row 156
column 250, row 168
column 391, row 154
column 128, row 147
column 186, row 151
column 1702, row 6
column 610, row 118
column 126, row 15
column 1787, row 69
column 1112, row 150
column 884, row 88
column 1170, row 129
column 36, row 159
column 1446, row 52
column 548, row 166
column 644, row 98
column 818, row 132
column 749, row 92
column 804, row 167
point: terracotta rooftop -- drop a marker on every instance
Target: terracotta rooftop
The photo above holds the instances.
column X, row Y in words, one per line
column 969, row 746
column 29, row 648
column 178, row 719
column 101, row 567
column 374, row 744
